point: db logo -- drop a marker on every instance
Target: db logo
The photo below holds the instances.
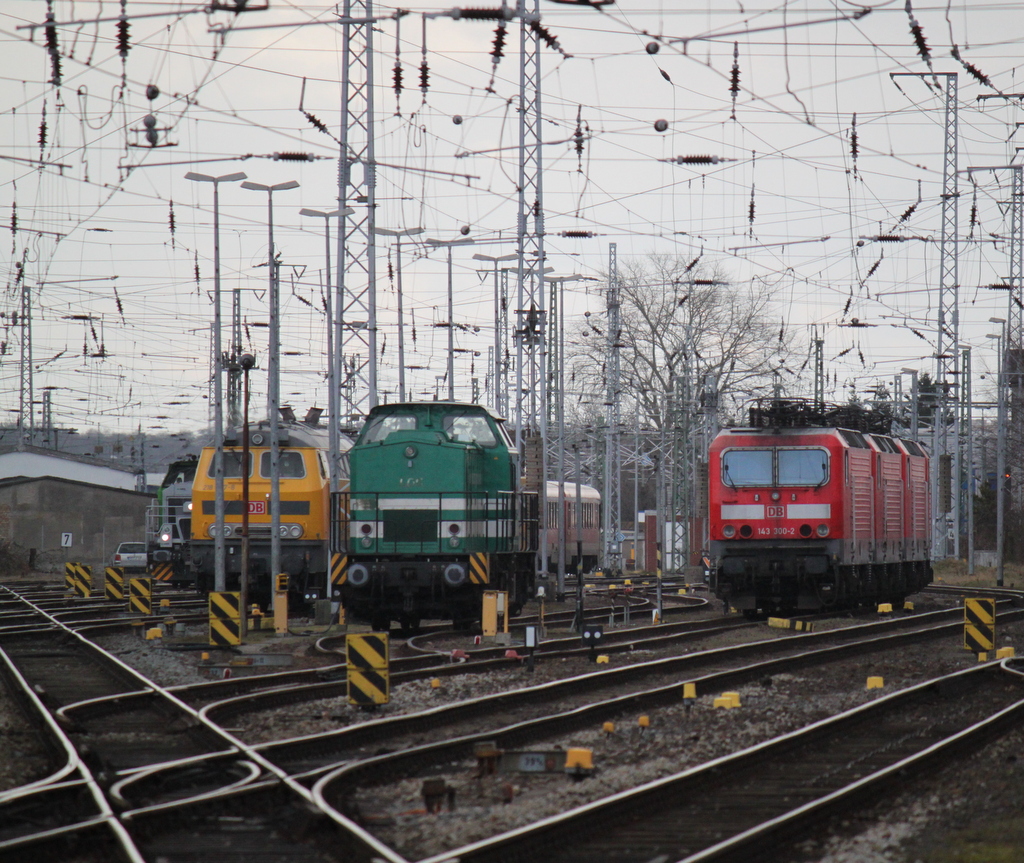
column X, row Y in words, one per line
column 257, row 507
column 776, row 512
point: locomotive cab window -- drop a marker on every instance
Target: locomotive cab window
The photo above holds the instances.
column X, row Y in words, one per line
column 290, row 463
column 380, row 427
column 469, row 428
column 803, row 466
column 747, row 467
column 232, row 465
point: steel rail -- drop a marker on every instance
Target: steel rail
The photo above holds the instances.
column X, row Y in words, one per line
column 546, row 839
column 359, row 836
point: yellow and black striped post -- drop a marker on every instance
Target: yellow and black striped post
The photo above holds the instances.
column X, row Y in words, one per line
column 69, row 576
column 979, row 624
column 82, row 579
column 368, row 668
column 225, row 619
column 113, row 582
column 339, row 569
column 480, row 568
column 140, row 595
column 161, row 571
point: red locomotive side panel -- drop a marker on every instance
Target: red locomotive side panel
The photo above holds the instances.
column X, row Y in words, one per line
column 810, row 518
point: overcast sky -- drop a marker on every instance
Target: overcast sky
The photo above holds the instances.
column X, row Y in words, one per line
column 121, row 326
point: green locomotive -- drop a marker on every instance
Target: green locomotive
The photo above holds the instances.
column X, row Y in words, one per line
column 436, row 516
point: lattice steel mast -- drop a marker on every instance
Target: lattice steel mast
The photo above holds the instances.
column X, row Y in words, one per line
column 945, row 421
column 355, row 337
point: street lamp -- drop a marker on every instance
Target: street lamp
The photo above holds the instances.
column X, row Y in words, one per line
column 334, row 447
column 451, row 316
column 1000, row 338
column 408, row 232
column 498, row 334
column 219, row 564
column 273, row 383
column 246, row 361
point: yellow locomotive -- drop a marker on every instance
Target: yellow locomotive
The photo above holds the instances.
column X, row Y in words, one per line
column 305, row 517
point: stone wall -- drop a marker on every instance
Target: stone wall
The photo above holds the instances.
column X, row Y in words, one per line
column 36, row 512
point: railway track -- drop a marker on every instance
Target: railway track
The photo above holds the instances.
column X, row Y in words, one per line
column 746, row 806
column 120, row 724
column 452, row 747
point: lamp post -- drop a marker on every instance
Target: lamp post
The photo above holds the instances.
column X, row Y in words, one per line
column 273, row 382
column 408, row 232
column 246, row 361
column 451, row 316
column 219, row 564
column 334, row 444
column 1000, row 338
column 498, row 334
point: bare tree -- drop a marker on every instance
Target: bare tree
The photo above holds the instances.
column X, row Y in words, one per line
column 678, row 317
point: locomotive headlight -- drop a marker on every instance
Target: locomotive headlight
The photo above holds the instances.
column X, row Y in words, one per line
column 165, row 537
column 188, row 506
column 358, row 575
column 776, row 495
column 822, row 530
column 295, row 531
column 728, row 531
column 454, row 541
column 366, row 542
column 410, row 452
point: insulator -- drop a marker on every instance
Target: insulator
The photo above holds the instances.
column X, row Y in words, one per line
column 545, row 35
column 152, row 137
column 316, row 123
column 424, row 77
column 919, row 40
column 734, row 77
column 14, row 218
column 498, row 51
column 457, row 119
column 170, row 218
column 660, row 125
column 149, row 121
column 653, row 47
column 889, row 238
column 152, row 92
column 697, row 160
column 122, row 38
column 705, row 282
column 481, row 14
column 464, row 230
column 42, row 135
column 578, row 235
column 293, row 157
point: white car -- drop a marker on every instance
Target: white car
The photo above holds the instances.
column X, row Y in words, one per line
column 131, row 557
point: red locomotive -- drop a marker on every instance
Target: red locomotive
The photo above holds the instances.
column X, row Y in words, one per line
column 816, row 507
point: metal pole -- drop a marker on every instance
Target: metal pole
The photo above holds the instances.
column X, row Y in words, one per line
column 219, row 565
column 579, row 538
column 274, row 403
column 1001, row 461
column 401, row 320
column 451, row 333
column 243, row 585
column 219, row 545
column 968, row 427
